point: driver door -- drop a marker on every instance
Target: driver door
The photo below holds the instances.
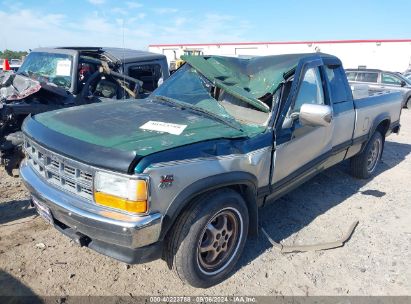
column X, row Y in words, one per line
column 300, row 148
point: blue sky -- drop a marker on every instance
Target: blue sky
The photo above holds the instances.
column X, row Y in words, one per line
column 30, row 24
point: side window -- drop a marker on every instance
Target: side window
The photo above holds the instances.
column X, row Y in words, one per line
column 335, row 77
column 367, row 77
column 310, row 91
column 351, row 76
column 149, row 74
column 390, row 79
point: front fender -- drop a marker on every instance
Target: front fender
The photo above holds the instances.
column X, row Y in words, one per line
column 243, row 180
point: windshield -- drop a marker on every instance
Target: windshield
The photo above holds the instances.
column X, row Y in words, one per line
column 187, row 86
column 48, row 67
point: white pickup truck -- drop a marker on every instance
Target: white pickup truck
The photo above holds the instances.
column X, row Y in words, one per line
column 181, row 175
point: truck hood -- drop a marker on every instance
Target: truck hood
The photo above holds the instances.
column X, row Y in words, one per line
column 122, row 132
column 141, row 127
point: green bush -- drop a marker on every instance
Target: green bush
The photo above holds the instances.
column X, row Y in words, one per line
column 9, row 54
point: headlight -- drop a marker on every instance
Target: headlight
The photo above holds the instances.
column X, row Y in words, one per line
column 124, row 193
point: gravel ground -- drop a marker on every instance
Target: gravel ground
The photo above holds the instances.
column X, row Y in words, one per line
column 35, row 258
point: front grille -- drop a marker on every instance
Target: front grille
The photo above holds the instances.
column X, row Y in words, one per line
column 60, row 171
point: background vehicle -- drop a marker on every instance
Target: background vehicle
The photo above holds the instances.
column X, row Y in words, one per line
column 379, row 81
column 55, row 78
column 14, row 64
column 184, row 172
column 176, row 63
column 16, row 61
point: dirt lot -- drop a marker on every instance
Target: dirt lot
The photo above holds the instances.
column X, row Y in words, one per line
column 35, row 258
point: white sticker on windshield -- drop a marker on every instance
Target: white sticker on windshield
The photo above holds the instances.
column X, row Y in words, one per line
column 63, row 68
column 164, row 127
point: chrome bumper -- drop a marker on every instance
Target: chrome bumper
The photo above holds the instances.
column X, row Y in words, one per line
column 91, row 220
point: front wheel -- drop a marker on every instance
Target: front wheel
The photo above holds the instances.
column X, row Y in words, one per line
column 208, row 238
column 408, row 104
column 364, row 164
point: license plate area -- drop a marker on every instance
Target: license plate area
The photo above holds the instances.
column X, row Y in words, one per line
column 43, row 210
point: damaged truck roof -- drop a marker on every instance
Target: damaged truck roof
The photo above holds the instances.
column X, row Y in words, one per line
column 116, row 54
column 248, row 79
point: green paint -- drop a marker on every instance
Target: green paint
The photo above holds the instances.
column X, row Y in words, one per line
column 117, row 125
column 246, row 79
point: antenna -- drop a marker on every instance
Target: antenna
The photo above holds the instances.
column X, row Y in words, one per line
column 123, row 65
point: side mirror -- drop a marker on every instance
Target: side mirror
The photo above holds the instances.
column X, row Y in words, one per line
column 315, row 115
column 403, row 83
column 289, row 120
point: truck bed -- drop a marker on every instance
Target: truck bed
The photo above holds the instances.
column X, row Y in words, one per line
column 378, row 105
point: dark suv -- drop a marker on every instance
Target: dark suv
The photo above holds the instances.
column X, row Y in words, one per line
column 378, row 81
column 56, row 78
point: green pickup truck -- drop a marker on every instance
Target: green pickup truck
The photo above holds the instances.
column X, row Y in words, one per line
column 181, row 175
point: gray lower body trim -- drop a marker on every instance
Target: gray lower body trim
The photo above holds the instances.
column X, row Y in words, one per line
column 102, row 225
column 298, row 177
column 310, row 169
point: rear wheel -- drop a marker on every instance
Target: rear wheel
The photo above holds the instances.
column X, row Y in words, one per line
column 364, row 164
column 208, row 238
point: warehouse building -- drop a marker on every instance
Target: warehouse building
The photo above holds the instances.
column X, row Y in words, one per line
column 391, row 55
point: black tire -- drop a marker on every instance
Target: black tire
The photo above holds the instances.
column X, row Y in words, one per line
column 363, row 165
column 190, row 235
column 408, row 104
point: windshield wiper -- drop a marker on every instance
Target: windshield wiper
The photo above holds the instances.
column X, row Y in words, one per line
column 184, row 105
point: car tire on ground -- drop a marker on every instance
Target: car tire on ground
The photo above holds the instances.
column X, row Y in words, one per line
column 208, row 238
column 408, row 104
column 364, row 164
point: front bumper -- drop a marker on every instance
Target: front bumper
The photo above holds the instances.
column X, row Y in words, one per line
column 132, row 239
